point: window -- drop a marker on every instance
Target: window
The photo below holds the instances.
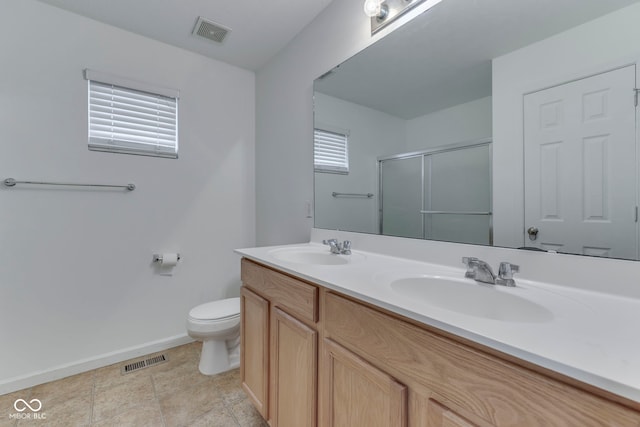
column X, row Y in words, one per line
column 131, row 118
column 330, row 151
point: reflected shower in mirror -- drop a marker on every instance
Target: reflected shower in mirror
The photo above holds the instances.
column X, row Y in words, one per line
column 495, row 123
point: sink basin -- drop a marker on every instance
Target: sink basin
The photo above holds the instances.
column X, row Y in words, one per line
column 468, row 297
column 311, row 256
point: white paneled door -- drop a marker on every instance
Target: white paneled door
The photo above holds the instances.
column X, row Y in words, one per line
column 580, row 167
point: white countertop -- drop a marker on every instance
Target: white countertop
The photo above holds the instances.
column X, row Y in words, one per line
column 591, row 336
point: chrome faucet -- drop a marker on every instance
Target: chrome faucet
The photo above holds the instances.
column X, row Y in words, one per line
column 480, row 271
column 338, row 248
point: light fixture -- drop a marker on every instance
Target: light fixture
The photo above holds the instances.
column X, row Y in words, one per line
column 376, row 8
column 383, row 12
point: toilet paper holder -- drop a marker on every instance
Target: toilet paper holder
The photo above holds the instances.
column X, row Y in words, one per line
column 158, row 258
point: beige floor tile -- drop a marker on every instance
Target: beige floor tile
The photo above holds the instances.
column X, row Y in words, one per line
column 177, row 356
column 72, row 412
column 5, row 421
column 246, row 414
column 170, row 394
column 111, row 401
column 111, row 376
column 187, row 405
column 184, row 352
column 6, row 406
column 219, row 416
column 67, row 388
column 229, row 385
column 180, row 376
column 146, row 415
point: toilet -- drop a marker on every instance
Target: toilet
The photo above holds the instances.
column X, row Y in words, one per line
column 217, row 325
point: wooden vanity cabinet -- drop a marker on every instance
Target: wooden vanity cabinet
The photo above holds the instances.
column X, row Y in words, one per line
column 312, row 356
column 279, row 342
column 452, row 383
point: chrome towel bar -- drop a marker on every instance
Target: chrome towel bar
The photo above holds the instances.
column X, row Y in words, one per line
column 367, row 195
column 454, row 213
column 10, row 182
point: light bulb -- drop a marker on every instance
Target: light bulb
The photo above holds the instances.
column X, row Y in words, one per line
column 372, row 7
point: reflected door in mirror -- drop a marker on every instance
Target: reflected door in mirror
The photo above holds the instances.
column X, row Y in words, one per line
column 580, row 167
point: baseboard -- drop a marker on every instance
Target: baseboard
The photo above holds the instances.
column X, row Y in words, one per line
column 80, row 366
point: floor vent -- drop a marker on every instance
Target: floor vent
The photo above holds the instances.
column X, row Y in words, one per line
column 141, row 364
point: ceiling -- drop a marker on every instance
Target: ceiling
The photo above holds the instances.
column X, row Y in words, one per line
column 259, row 29
column 443, row 57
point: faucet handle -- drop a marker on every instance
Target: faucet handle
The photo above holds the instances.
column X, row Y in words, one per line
column 346, row 247
column 469, row 261
column 507, row 269
column 505, row 274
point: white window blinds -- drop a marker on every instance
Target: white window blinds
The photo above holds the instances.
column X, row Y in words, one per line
column 330, row 151
column 131, row 118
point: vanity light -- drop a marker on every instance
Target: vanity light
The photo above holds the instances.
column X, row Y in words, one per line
column 376, row 8
column 383, row 12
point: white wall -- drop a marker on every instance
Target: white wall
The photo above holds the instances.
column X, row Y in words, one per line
column 77, row 285
column 465, row 122
column 594, row 47
column 371, row 134
column 284, row 117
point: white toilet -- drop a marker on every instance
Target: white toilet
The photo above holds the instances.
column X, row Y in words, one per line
column 217, row 325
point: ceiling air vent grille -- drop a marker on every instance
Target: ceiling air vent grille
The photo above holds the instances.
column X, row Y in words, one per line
column 140, row 364
column 210, row 30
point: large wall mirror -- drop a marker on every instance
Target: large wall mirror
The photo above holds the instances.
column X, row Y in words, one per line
column 493, row 122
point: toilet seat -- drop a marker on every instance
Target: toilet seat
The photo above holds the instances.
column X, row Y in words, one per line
column 214, row 311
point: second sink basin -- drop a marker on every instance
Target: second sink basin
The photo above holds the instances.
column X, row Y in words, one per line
column 468, row 297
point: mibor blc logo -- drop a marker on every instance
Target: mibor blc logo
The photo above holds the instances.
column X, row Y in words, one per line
column 34, row 406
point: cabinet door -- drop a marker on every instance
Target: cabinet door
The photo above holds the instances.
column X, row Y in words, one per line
column 441, row 416
column 294, row 370
column 254, row 349
column 359, row 394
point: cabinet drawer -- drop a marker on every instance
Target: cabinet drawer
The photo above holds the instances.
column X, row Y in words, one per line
column 294, row 296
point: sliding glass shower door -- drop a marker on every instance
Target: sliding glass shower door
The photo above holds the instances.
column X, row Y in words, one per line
column 401, row 190
column 440, row 194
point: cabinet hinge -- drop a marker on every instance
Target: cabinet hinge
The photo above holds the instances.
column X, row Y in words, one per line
column 636, row 214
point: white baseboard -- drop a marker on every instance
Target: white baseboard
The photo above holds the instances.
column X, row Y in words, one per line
column 80, row 366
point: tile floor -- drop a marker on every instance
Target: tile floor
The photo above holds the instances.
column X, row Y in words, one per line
column 170, row 394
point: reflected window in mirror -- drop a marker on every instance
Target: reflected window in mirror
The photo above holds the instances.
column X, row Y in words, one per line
column 331, row 151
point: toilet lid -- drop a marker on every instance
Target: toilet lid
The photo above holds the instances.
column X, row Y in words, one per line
column 216, row 310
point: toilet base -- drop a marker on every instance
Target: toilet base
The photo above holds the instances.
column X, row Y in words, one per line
column 216, row 358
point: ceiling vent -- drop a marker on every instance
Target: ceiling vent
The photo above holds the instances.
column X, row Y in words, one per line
column 210, row 30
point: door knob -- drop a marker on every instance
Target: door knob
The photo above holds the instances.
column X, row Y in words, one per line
column 533, row 233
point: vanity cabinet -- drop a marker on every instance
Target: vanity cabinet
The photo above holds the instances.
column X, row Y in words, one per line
column 453, row 383
column 332, row 360
column 279, row 346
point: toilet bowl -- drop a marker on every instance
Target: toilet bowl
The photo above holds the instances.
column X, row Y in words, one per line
column 217, row 325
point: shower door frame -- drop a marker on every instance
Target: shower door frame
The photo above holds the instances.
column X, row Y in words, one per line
column 428, row 152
